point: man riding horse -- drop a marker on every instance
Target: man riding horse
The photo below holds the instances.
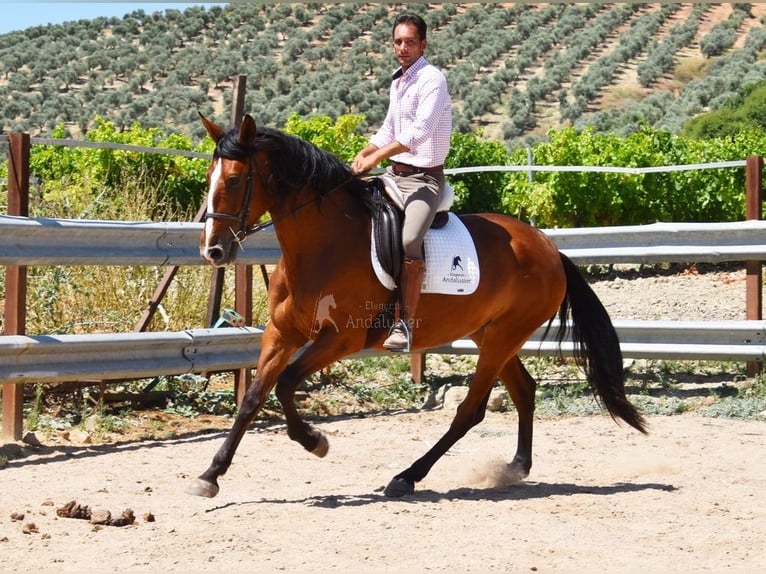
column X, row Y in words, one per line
column 416, row 136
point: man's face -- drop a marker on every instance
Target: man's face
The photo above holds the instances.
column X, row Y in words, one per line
column 407, row 45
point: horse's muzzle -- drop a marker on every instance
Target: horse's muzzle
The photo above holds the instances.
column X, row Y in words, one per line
column 217, row 255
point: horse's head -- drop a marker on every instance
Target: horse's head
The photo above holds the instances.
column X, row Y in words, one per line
column 236, row 196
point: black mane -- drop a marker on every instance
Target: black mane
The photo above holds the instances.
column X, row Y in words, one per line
column 294, row 163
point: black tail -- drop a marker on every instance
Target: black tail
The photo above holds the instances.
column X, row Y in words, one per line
column 596, row 346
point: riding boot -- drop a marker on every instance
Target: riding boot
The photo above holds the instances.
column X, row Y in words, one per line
column 410, row 283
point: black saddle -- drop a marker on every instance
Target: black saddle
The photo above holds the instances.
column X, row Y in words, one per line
column 387, row 219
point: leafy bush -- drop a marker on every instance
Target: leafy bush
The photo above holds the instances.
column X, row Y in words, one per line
column 745, row 111
column 582, row 198
column 477, row 192
column 79, row 182
column 83, row 172
column 337, row 137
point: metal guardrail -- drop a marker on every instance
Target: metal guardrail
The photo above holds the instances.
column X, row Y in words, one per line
column 664, row 242
column 661, row 340
column 49, row 359
column 60, row 358
column 103, row 357
column 30, row 242
column 40, row 241
column 27, row 241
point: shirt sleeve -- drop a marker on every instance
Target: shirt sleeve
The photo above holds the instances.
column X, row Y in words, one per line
column 385, row 135
column 433, row 96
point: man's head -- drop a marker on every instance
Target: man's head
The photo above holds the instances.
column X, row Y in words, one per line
column 409, row 38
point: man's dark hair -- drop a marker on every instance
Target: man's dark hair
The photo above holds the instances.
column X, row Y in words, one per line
column 414, row 20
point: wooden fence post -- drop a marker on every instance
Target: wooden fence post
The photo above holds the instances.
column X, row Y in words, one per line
column 15, row 306
column 243, row 274
column 754, row 277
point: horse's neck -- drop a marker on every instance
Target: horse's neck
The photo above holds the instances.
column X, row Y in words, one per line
column 309, row 232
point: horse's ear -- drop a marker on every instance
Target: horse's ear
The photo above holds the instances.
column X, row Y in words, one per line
column 213, row 130
column 247, row 130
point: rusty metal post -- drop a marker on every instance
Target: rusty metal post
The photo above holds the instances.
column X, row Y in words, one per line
column 418, row 367
column 15, row 306
column 754, row 276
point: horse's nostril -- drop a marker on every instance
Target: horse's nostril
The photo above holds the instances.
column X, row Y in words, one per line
column 215, row 253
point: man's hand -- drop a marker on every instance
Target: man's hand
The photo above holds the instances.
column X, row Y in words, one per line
column 361, row 164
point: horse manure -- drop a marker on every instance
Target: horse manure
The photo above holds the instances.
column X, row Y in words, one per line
column 127, row 517
column 74, row 510
column 98, row 517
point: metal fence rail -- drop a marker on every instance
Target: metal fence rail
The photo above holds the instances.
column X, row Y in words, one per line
column 61, row 358
column 40, row 241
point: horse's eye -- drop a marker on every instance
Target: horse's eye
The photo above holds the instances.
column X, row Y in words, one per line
column 232, row 181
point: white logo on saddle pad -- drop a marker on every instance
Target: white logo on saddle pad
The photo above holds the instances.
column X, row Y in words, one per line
column 452, row 265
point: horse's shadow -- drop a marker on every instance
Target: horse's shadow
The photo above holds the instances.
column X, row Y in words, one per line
column 27, row 455
column 521, row 491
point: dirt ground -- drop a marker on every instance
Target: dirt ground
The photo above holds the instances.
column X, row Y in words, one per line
column 601, row 497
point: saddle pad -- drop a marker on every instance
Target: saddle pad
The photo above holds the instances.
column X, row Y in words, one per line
column 452, row 265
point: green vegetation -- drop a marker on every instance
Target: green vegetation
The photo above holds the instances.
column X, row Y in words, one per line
column 742, row 113
column 584, row 199
column 72, row 173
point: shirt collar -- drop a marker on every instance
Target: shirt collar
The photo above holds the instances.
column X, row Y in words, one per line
column 417, row 65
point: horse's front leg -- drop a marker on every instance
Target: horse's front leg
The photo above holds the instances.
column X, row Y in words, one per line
column 299, row 430
column 273, row 359
column 324, row 351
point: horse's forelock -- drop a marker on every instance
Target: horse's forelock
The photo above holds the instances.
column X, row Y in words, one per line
column 229, row 147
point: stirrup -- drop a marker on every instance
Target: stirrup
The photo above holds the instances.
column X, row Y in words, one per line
column 396, row 346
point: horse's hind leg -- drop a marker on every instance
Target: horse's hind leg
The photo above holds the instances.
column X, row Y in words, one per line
column 469, row 413
column 521, row 386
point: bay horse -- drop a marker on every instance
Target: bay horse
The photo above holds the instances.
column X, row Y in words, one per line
column 323, row 228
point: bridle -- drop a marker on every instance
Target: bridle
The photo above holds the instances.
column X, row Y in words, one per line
column 243, row 232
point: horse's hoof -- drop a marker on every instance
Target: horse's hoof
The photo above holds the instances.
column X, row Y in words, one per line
column 516, row 471
column 199, row 487
column 399, row 487
column 322, row 447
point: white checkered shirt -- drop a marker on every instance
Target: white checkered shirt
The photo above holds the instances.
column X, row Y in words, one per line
column 419, row 116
